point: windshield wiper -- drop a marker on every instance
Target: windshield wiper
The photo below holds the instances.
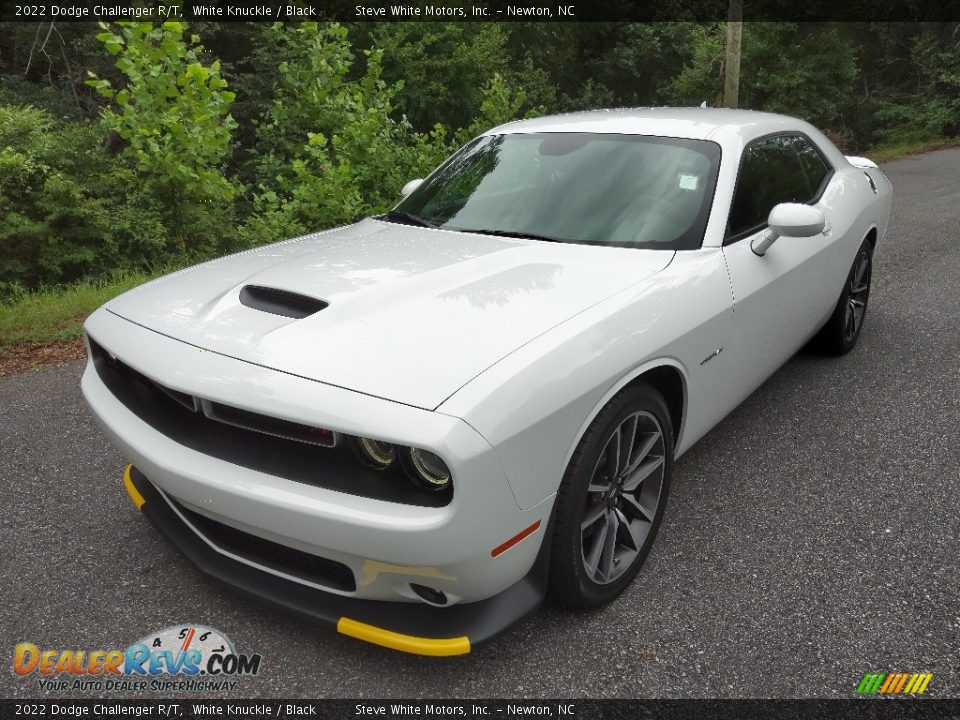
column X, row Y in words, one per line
column 514, row 234
column 406, row 218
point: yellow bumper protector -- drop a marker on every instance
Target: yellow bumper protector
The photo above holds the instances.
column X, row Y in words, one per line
column 403, row 643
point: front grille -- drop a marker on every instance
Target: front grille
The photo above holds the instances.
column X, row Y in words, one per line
column 266, row 424
column 220, row 412
column 267, row 553
column 274, row 447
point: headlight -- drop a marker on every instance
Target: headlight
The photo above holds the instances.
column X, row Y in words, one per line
column 374, row 453
column 426, row 469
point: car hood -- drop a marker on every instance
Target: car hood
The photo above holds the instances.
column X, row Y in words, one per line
column 413, row 314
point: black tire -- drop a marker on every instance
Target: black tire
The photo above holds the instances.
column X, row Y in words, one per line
column 840, row 334
column 571, row 582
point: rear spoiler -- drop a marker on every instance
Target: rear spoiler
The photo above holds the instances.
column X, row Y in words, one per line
column 860, row 162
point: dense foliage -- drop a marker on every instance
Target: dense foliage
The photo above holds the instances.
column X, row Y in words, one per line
column 172, row 117
column 134, row 146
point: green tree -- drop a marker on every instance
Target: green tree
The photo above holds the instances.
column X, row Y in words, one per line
column 626, row 64
column 805, row 70
column 67, row 209
column 443, row 67
column 501, row 103
column 332, row 148
column 924, row 102
column 173, row 117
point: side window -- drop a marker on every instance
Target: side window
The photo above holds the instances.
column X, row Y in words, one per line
column 813, row 164
column 770, row 173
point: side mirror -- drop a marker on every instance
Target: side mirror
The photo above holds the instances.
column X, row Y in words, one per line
column 410, row 186
column 789, row 220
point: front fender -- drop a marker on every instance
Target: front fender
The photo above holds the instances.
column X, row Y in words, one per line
column 534, row 406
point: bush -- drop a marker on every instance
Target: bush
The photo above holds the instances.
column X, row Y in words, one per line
column 333, row 151
column 444, row 67
column 933, row 110
column 66, row 209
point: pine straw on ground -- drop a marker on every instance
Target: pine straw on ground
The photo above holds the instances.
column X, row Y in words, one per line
column 27, row 356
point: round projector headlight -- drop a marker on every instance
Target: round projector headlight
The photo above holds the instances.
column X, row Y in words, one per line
column 376, row 454
column 427, row 470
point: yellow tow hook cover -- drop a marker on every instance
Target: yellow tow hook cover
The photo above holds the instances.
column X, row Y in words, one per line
column 132, row 491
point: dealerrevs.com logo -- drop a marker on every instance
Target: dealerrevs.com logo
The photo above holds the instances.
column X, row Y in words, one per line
column 187, row 657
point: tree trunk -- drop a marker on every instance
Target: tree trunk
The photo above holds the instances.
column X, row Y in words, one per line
column 731, row 76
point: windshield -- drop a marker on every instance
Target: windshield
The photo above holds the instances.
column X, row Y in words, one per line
column 603, row 189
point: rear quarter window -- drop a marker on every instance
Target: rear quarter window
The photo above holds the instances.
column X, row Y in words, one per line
column 813, row 164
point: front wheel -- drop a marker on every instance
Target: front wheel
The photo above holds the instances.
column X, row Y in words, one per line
column 843, row 328
column 611, row 500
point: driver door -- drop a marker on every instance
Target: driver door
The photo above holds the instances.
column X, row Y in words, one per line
column 781, row 298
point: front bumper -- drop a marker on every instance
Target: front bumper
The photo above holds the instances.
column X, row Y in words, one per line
column 408, row 627
column 376, row 550
column 386, row 545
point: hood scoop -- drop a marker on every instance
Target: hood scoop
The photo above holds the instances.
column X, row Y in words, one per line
column 280, row 302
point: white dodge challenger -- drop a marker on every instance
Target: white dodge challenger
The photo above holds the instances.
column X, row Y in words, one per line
column 418, row 426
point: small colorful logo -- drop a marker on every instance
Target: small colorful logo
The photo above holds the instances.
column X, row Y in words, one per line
column 180, row 657
column 894, row 683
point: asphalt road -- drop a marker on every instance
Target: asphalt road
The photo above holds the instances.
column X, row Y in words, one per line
column 811, row 537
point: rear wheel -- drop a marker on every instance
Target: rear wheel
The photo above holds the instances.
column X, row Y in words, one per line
column 611, row 500
column 842, row 330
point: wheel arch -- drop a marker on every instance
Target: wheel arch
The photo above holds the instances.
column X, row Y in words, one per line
column 666, row 375
column 669, row 381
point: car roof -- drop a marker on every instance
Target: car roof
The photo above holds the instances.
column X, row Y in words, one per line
column 695, row 123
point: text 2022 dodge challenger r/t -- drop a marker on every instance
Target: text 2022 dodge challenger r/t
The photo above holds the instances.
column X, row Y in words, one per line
column 418, row 426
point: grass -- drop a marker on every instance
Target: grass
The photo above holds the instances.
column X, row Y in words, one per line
column 57, row 314
column 886, row 153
